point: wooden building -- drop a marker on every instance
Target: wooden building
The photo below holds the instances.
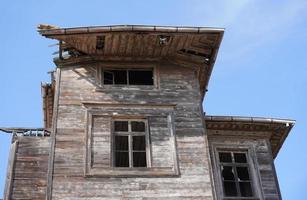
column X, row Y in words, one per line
column 123, row 119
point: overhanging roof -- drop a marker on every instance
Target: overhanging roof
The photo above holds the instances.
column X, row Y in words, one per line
column 278, row 129
column 195, row 47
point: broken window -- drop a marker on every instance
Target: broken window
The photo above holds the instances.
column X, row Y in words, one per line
column 235, row 174
column 128, row 77
column 130, row 143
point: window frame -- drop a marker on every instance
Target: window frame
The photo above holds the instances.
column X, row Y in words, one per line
column 127, row 70
column 234, row 165
column 253, row 170
column 128, row 66
column 134, row 111
column 130, row 134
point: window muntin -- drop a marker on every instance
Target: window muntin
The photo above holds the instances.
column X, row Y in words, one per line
column 128, row 76
column 130, row 143
column 235, row 174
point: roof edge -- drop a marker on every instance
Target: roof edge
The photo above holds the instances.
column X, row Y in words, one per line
column 276, row 139
column 47, row 30
column 249, row 119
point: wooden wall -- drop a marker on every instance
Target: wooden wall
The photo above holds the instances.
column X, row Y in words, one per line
column 176, row 85
column 261, row 157
column 28, row 175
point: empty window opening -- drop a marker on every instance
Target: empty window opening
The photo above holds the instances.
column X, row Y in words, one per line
column 128, row 77
column 130, row 143
column 235, row 174
column 100, row 40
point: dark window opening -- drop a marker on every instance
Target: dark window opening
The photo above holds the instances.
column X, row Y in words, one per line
column 130, row 143
column 225, row 157
column 139, row 159
column 128, row 77
column 137, row 126
column 100, row 40
column 138, row 77
column 121, row 126
column 240, row 157
column 234, row 170
column 121, row 143
column 230, row 188
column 108, row 78
column 122, row 159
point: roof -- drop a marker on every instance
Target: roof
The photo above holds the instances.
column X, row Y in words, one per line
column 277, row 129
column 194, row 47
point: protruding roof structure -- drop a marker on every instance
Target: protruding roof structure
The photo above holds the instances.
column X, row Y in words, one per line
column 276, row 130
column 194, row 47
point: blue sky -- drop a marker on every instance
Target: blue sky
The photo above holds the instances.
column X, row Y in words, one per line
column 261, row 69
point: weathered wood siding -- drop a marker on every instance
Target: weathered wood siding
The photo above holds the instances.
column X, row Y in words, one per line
column 176, row 85
column 262, row 159
column 29, row 175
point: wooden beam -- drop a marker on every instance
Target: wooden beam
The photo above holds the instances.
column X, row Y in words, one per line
column 53, row 133
column 10, row 171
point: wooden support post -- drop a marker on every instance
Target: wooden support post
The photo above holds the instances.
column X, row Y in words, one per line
column 60, row 50
column 10, row 171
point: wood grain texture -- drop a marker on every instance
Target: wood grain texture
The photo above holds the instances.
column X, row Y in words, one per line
column 29, row 178
column 179, row 90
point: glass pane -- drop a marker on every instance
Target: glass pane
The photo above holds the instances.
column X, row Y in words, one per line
column 227, row 173
column 242, row 173
column 121, row 159
column 246, row 189
column 225, row 157
column 240, row 157
column 139, row 159
column 230, row 189
column 121, row 126
column 121, row 143
column 107, row 78
column 120, row 76
column 138, row 126
column 139, row 77
column 139, row 143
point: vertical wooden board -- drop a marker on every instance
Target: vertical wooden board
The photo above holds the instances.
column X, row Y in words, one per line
column 108, row 44
column 115, row 44
column 151, row 44
column 161, row 148
column 174, row 43
column 123, row 44
column 130, row 44
column 101, row 142
column 181, row 43
column 10, row 171
column 137, row 45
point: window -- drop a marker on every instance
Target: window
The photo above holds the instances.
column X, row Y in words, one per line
column 235, row 173
column 128, row 77
column 130, row 141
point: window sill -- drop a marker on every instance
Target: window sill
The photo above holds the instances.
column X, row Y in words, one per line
column 126, row 87
column 132, row 172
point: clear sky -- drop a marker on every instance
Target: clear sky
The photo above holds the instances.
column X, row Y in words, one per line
column 261, row 69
